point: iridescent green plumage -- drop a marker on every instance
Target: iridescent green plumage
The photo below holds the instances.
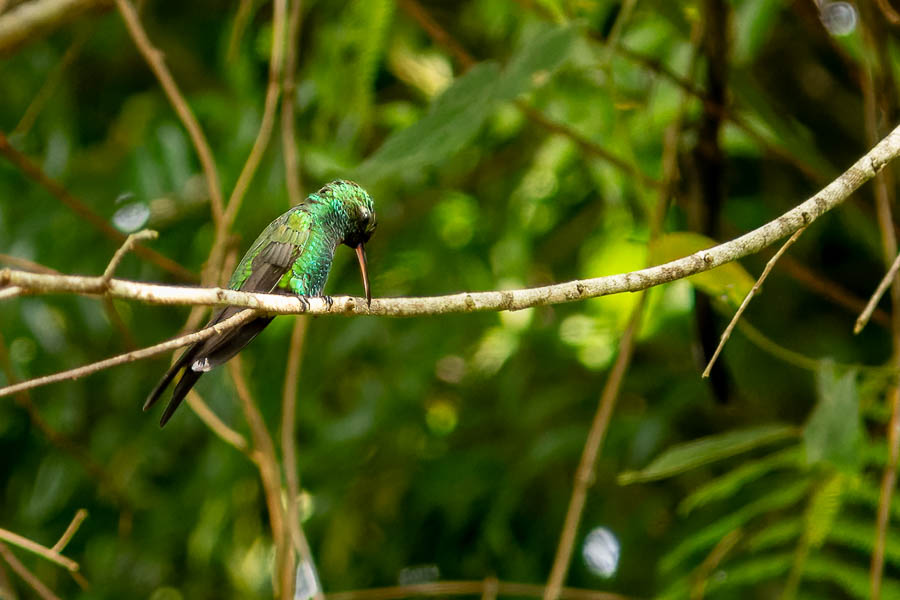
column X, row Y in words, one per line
column 292, row 255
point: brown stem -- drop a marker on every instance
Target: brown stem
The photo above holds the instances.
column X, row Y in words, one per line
column 27, row 576
column 267, row 463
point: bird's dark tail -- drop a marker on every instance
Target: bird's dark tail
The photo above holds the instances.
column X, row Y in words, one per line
column 185, row 384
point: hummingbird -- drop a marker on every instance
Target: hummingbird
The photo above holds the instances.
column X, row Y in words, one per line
column 292, row 255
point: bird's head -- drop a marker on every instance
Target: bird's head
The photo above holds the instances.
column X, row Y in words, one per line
column 355, row 218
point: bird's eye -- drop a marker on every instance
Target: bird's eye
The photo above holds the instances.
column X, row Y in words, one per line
column 364, row 215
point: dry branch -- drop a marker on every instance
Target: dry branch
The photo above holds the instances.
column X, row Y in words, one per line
column 801, row 216
column 31, row 20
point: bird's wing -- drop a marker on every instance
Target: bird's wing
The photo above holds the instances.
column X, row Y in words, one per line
column 267, row 261
column 273, row 253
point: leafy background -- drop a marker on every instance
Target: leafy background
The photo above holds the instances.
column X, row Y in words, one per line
column 445, row 447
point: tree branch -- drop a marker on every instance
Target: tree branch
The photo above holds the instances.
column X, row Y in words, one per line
column 201, row 335
column 801, row 216
column 27, row 576
column 34, row 19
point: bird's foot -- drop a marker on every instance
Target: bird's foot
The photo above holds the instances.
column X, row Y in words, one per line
column 304, row 302
column 329, row 301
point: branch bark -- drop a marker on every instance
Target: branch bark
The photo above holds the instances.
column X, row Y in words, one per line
column 801, row 216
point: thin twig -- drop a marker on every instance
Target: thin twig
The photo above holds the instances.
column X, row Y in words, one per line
column 7, row 592
column 712, row 561
column 44, row 552
column 241, row 18
column 801, row 216
column 267, row 463
column 884, row 200
column 468, row 588
column 288, row 445
column 888, row 11
column 288, row 137
column 10, row 292
column 125, row 248
column 885, row 283
column 31, row 20
column 27, row 576
column 740, row 311
column 34, row 172
column 584, row 476
column 238, row 319
column 70, row 531
column 830, row 290
column 156, row 63
column 212, row 420
column 28, row 265
column 437, row 33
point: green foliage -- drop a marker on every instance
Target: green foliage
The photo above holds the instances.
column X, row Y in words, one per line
column 459, row 113
column 834, row 431
column 691, row 455
column 452, row 442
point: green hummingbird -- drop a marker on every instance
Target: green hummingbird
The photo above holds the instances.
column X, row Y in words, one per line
column 291, row 256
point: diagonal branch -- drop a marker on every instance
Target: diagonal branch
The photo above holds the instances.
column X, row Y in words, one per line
column 27, row 576
column 753, row 291
column 788, row 223
column 238, row 319
column 25, row 544
column 801, row 216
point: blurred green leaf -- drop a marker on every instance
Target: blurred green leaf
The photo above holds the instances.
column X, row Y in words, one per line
column 453, row 119
column 460, row 111
column 834, row 431
column 696, row 453
column 540, row 56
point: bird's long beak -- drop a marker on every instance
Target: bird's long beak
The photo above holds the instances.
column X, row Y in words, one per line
column 363, row 267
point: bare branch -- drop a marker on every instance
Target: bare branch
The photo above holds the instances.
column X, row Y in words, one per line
column 212, row 420
column 27, row 576
column 25, row 544
column 469, row 588
column 64, row 539
column 127, row 246
column 241, row 317
column 788, row 223
column 740, row 311
column 34, row 19
column 267, row 463
column 879, row 292
column 10, row 292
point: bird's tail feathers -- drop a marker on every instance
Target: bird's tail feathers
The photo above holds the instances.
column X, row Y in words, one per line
column 184, row 385
column 183, row 361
